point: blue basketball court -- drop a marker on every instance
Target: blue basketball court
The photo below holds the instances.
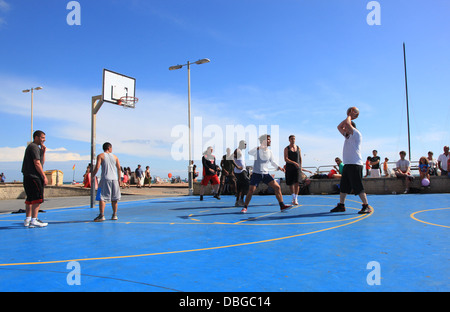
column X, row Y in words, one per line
column 183, row 244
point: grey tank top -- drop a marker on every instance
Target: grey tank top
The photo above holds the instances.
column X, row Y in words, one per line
column 109, row 169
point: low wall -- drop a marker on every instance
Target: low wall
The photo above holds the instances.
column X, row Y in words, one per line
column 372, row 186
column 317, row 187
column 16, row 191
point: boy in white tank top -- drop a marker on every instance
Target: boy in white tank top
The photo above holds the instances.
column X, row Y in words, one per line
column 110, row 181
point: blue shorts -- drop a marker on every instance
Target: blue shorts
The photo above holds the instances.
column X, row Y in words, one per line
column 258, row 178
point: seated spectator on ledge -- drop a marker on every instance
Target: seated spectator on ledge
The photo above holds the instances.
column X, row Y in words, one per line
column 403, row 170
column 443, row 161
column 336, row 173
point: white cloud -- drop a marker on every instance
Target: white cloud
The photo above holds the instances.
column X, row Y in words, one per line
column 8, row 154
column 12, row 154
column 66, row 156
column 4, row 6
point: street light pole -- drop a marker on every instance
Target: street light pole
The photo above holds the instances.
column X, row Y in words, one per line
column 190, row 167
column 32, row 91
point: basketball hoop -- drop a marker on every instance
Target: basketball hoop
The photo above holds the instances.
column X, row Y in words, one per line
column 128, row 101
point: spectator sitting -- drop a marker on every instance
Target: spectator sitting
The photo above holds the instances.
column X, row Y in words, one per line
column 424, row 168
column 375, row 164
column 433, row 164
column 443, row 161
column 403, row 170
column 336, row 173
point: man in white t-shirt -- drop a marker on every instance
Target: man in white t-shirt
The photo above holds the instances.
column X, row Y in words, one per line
column 403, row 170
column 263, row 158
column 351, row 179
column 443, row 161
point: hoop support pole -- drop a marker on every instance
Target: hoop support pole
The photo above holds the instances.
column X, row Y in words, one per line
column 96, row 105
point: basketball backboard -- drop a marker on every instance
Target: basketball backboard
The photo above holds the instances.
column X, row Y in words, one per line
column 116, row 86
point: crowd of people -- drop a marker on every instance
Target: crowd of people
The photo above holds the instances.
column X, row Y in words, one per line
column 233, row 171
column 141, row 178
column 233, row 175
column 428, row 166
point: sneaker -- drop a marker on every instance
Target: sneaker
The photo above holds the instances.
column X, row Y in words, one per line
column 365, row 209
column 294, row 202
column 99, row 218
column 217, row 196
column 26, row 222
column 114, row 217
column 244, row 210
column 339, row 208
column 37, row 223
column 285, row 207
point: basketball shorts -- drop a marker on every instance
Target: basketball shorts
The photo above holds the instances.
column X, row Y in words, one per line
column 352, row 179
column 293, row 175
column 257, row 178
column 34, row 189
column 109, row 190
column 213, row 178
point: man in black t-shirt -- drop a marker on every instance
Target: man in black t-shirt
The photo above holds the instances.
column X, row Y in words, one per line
column 375, row 163
column 34, row 179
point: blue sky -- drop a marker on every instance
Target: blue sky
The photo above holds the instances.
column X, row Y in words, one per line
column 288, row 66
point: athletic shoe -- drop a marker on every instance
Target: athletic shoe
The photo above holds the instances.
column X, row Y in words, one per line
column 244, row 210
column 114, row 217
column 339, row 208
column 37, row 223
column 26, row 222
column 99, row 218
column 294, row 202
column 285, row 207
column 217, row 196
column 365, row 209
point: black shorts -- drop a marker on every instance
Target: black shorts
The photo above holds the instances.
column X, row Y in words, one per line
column 352, row 179
column 293, row 175
column 34, row 189
column 242, row 182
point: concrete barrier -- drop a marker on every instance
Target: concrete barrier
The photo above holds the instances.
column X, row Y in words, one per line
column 16, row 191
column 377, row 186
column 317, row 187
